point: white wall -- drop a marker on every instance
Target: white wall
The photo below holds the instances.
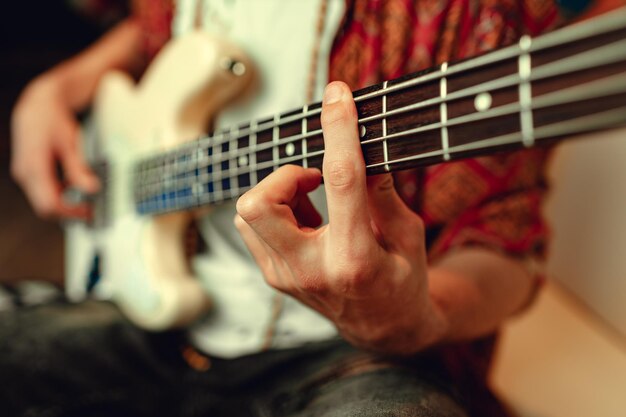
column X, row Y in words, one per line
column 587, row 213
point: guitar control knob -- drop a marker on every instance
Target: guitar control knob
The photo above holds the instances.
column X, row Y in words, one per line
column 237, row 68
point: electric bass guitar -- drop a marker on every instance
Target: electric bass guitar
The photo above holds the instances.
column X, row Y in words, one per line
column 154, row 176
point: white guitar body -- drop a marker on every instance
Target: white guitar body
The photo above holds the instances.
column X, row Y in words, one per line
column 142, row 265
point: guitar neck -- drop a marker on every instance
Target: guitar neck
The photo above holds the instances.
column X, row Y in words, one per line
column 569, row 81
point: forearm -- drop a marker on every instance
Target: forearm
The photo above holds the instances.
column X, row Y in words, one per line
column 474, row 290
column 77, row 78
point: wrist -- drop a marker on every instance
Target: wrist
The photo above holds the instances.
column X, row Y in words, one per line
column 48, row 85
column 41, row 91
column 402, row 333
column 60, row 83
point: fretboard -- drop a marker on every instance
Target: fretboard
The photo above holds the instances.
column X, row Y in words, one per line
column 569, row 81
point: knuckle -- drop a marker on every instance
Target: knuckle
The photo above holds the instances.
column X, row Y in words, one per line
column 249, row 208
column 352, row 276
column 358, row 282
column 273, row 282
column 341, row 173
column 312, row 285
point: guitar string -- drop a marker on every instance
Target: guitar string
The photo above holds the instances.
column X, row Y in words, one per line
column 206, row 179
column 571, row 64
column 597, row 89
column 414, row 82
column 601, row 87
column 602, row 25
column 575, row 125
column 599, row 26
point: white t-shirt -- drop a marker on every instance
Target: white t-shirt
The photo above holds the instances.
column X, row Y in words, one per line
column 279, row 37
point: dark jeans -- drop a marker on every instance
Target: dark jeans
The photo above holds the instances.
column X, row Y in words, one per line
column 86, row 360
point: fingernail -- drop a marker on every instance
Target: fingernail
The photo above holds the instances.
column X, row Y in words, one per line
column 332, row 94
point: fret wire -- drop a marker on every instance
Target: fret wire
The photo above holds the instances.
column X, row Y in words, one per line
column 443, row 111
column 175, row 178
column 303, row 131
column 275, row 134
column 524, row 91
column 217, row 185
column 384, row 133
column 252, row 151
column 595, row 89
column 234, row 180
column 582, row 61
column 192, row 163
column 169, row 178
column 196, row 187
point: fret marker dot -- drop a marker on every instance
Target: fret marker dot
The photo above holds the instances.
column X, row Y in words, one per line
column 196, row 188
column 482, row 102
column 363, row 131
column 290, row 149
column 243, row 160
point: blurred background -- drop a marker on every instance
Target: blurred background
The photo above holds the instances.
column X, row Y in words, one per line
column 34, row 35
column 566, row 356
